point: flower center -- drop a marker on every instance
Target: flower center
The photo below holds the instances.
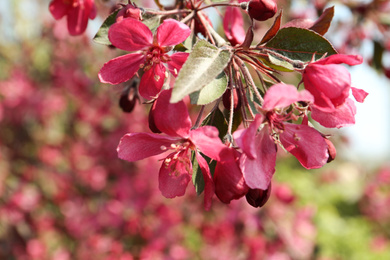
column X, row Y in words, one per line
column 154, row 55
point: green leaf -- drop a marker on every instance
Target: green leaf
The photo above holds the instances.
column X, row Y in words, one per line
column 278, row 64
column 152, row 21
column 180, row 47
column 300, row 44
column 378, row 55
column 211, row 91
column 190, row 41
column 203, row 65
column 197, row 175
column 101, row 36
column 217, row 119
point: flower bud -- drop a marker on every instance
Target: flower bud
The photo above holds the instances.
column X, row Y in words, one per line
column 129, row 11
column 331, row 150
column 128, row 99
column 262, row 10
column 257, row 198
column 226, row 99
column 152, row 124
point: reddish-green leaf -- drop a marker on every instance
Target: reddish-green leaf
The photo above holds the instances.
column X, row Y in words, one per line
column 273, row 30
column 322, row 24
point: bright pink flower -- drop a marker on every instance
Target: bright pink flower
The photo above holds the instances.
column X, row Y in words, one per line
column 149, row 53
column 176, row 170
column 259, row 150
column 77, row 13
column 330, row 83
column 233, row 25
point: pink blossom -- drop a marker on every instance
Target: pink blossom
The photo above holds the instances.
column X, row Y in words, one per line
column 330, row 83
column 77, row 13
column 259, row 150
column 175, row 172
column 149, row 52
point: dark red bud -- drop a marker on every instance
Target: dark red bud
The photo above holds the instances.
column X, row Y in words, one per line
column 128, row 99
column 262, row 10
column 226, row 99
column 152, row 125
column 331, row 150
column 257, row 198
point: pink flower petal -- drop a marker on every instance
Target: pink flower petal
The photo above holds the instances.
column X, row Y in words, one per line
column 208, row 181
column 359, row 94
column 121, row 69
column 306, row 144
column 130, row 35
column 344, row 115
column 258, row 172
column 172, row 119
column 172, row 32
column 138, row 146
column 177, row 62
column 207, row 141
column 174, row 176
column 152, row 81
column 59, row 8
column 282, row 95
column 341, row 58
column 229, row 181
column 246, row 138
column 329, row 84
column 78, row 17
column 233, row 25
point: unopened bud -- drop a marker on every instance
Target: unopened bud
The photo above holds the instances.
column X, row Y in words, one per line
column 226, row 99
column 129, row 98
column 262, row 10
column 152, row 124
column 129, row 11
column 331, row 150
column 257, row 198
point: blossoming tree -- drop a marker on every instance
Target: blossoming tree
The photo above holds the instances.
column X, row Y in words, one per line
column 247, row 111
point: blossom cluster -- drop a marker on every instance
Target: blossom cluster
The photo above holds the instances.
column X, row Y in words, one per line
column 182, row 55
column 65, row 195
